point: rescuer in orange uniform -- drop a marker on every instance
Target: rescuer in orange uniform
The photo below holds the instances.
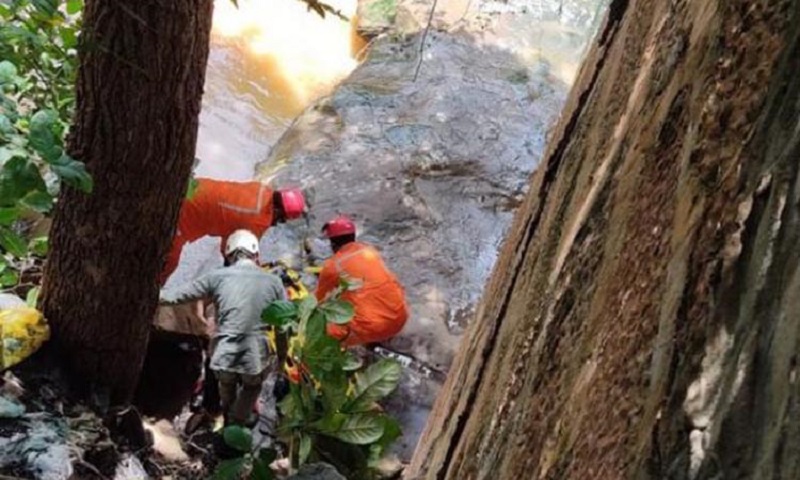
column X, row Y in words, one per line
column 379, row 300
column 219, row 208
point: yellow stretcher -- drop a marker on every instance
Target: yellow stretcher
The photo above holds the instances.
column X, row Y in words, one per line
column 22, row 331
column 295, row 290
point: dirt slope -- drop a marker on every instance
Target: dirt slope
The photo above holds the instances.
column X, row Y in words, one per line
column 644, row 316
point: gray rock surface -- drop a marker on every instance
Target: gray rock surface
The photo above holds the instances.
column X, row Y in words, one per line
column 316, row 471
column 431, row 170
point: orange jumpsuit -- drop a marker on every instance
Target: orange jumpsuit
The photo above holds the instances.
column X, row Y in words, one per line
column 379, row 300
column 217, row 209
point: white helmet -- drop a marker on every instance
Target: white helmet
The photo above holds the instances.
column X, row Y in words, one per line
column 243, row 240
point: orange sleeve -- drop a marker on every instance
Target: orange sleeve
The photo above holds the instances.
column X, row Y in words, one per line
column 328, row 280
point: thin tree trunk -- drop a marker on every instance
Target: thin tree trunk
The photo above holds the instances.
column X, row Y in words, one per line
column 139, row 91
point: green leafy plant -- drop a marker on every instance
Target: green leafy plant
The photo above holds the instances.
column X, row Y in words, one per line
column 38, row 48
column 253, row 463
column 331, row 412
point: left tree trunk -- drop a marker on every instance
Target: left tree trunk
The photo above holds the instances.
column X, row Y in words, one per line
column 139, row 91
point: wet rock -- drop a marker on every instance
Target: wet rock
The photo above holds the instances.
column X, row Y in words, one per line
column 316, row 471
column 389, row 468
column 130, row 468
column 431, row 170
column 167, row 441
column 36, row 444
column 375, row 16
column 10, row 408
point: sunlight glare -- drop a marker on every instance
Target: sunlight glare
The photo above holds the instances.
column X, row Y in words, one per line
column 312, row 53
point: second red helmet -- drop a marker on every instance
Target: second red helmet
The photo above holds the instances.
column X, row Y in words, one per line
column 338, row 227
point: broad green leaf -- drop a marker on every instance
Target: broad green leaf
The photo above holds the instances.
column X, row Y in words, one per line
column 315, row 328
column 32, row 298
column 229, row 469
column 238, row 437
column 14, row 34
column 46, row 7
column 8, row 278
column 73, row 173
column 74, row 6
column 323, row 356
column 351, row 362
column 6, row 126
column 305, row 448
column 391, row 431
column 377, row 381
column 8, row 215
column 279, row 313
column 360, row 429
column 69, row 37
column 44, row 135
column 375, row 454
column 38, row 201
column 334, row 389
column 18, row 176
column 339, row 312
column 330, row 423
column 261, row 471
column 12, row 243
column 305, row 307
column 267, row 455
column 8, row 72
column 308, row 399
column 39, row 246
column 292, row 406
column 5, row 155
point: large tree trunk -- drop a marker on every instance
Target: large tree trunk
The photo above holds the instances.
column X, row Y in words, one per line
column 139, row 90
column 643, row 320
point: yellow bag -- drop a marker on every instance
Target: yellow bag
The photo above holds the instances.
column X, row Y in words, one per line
column 22, row 331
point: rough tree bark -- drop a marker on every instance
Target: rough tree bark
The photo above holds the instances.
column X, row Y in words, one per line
column 139, row 90
column 643, row 320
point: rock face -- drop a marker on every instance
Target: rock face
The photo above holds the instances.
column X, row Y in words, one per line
column 430, row 169
column 644, row 316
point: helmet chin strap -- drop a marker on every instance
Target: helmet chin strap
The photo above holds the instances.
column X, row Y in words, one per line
column 237, row 255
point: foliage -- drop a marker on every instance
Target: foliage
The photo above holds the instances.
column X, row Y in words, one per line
column 253, row 462
column 38, row 48
column 40, row 38
column 38, row 64
column 331, row 411
column 321, row 8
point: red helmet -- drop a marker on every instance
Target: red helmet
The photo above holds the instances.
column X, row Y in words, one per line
column 294, row 204
column 339, row 226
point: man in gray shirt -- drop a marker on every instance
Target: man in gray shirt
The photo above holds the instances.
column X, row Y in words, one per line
column 240, row 290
